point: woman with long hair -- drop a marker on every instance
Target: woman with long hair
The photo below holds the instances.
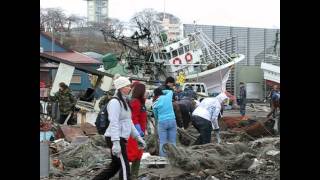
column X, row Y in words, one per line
column 139, row 119
column 119, row 130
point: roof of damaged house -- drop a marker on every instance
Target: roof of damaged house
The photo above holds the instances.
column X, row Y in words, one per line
column 47, row 57
column 74, row 57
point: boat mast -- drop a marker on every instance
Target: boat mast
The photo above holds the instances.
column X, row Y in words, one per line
column 164, row 10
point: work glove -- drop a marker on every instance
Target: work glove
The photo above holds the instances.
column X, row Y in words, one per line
column 138, row 127
column 215, row 124
column 217, row 133
column 141, row 142
column 116, row 149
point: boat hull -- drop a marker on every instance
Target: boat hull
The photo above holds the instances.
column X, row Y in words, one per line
column 216, row 78
column 271, row 72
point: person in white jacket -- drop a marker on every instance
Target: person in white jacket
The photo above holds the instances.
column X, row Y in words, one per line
column 205, row 118
column 119, row 130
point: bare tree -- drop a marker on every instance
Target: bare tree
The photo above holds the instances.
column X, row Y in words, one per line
column 145, row 19
column 148, row 17
column 73, row 19
column 111, row 28
column 56, row 19
column 43, row 19
column 149, row 24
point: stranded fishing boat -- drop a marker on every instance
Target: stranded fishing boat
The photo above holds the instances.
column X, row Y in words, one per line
column 152, row 57
column 199, row 59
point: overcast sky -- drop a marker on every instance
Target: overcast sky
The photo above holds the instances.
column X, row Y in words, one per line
column 244, row 13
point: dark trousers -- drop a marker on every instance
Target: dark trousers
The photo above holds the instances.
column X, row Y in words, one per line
column 204, row 127
column 186, row 120
column 272, row 112
column 243, row 109
column 274, row 108
column 115, row 164
column 178, row 114
column 186, row 117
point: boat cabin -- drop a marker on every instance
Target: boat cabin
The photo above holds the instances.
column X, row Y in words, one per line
column 180, row 56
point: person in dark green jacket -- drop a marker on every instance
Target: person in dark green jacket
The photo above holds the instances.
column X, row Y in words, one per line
column 105, row 99
column 66, row 100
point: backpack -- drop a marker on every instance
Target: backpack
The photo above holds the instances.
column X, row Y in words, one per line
column 102, row 121
column 275, row 96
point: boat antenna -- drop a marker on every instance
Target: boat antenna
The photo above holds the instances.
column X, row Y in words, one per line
column 164, row 9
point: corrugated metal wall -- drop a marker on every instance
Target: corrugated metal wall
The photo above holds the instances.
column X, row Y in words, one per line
column 220, row 33
column 254, row 43
column 270, row 37
column 242, row 37
column 250, row 41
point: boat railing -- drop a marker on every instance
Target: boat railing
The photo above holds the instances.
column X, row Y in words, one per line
column 212, row 52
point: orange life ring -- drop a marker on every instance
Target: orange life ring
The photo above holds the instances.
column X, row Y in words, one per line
column 188, row 57
column 177, row 61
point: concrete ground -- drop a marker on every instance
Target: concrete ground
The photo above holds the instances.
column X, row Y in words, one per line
column 257, row 110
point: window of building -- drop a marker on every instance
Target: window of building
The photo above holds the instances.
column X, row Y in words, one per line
column 76, row 79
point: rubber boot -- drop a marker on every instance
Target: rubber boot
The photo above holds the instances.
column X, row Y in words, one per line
column 135, row 169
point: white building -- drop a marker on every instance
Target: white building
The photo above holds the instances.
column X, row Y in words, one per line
column 173, row 29
column 171, row 25
column 97, row 10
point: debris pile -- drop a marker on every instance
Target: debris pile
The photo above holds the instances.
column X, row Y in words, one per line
column 77, row 153
column 81, row 160
column 249, row 150
column 259, row 159
column 255, row 127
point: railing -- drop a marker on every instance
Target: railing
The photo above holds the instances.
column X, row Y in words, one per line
column 212, row 53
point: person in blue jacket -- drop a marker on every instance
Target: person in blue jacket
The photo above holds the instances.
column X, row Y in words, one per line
column 164, row 115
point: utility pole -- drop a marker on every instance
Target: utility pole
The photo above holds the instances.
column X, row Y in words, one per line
column 52, row 42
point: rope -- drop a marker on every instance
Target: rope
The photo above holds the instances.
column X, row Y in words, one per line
column 265, row 128
column 221, row 80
